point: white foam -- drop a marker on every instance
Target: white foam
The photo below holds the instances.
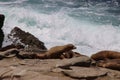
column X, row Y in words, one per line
column 12, row 2
column 58, row 28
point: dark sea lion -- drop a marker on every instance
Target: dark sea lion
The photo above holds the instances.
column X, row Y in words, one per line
column 102, row 55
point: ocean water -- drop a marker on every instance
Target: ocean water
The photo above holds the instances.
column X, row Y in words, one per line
column 91, row 25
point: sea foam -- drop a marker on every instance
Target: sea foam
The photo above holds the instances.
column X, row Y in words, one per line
column 60, row 27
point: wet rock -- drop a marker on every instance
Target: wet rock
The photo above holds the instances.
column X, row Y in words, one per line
column 25, row 38
column 2, row 17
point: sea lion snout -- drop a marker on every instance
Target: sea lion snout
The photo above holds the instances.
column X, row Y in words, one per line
column 74, row 47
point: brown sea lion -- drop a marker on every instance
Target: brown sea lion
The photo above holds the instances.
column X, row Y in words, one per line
column 111, row 64
column 55, row 52
column 102, row 55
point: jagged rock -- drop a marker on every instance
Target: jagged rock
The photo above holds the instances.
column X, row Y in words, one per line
column 2, row 17
column 25, row 38
column 77, row 61
column 85, row 73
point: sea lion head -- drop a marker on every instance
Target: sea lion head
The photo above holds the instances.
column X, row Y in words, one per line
column 70, row 46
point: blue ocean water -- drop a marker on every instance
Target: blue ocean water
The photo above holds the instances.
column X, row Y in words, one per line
column 91, row 25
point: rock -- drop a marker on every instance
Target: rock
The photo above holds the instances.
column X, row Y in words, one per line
column 31, row 55
column 30, row 69
column 14, row 73
column 111, row 75
column 77, row 61
column 85, row 73
column 8, row 53
column 2, row 17
column 25, row 38
column 102, row 55
column 44, row 69
column 12, row 46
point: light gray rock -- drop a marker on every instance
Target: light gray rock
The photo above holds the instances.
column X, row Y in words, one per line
column 77, row 61
column 85, row 73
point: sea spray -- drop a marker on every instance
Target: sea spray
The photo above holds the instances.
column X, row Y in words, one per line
column 89, row 27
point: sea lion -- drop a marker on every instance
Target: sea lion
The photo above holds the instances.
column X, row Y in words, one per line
column 111, row 64
column 102, row 55
column 55, row 52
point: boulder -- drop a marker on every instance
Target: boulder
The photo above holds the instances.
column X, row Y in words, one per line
column 18, row 36
column 2, row 17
